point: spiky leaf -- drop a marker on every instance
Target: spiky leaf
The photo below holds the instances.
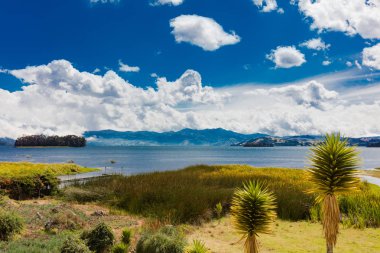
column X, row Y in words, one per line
column 334, row 166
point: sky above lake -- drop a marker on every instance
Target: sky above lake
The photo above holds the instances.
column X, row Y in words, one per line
column 276, row 67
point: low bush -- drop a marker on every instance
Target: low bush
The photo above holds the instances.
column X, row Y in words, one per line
column 30, row 186
column 100, row 239
column 126, row 236
column 167, row 240
column 197, row 247
column 218, row 210
column 10, row 225
column 74, row 245
column 120, row 248
column 64, row 220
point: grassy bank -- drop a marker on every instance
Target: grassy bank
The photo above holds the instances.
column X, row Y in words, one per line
column 14, row 170
column 190, row 195
column 22, row 180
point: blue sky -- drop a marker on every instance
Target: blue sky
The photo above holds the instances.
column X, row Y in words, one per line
column 246, row 43
column 96, row 35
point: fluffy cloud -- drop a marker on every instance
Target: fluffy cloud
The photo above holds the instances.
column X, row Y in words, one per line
column 371, row 56
column 351, row 17
column 201, row 31
column 315, row 44
column 267, row 5
column 169, row 2
column 326, row 63
column 126, row 68
column 286, row 57
column 59, row 99
column 310, row 94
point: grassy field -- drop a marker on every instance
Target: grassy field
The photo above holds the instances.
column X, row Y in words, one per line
column 23, row 169
column 190, row 195
column 187, row 198
column 287, row 237
column 219, row 236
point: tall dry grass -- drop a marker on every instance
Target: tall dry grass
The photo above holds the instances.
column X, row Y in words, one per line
column 191, row 194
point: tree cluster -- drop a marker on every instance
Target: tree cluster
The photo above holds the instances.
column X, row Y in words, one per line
column 49, row 141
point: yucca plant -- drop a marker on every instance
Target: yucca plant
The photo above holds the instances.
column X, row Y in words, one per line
column 197, row 247
column 333, row 171
column 253, row 210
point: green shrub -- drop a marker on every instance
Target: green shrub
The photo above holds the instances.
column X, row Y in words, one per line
column 126, row 236
column 315, row 213
column 120, row 248
column 10, row 225
column 74, row 245
column 218, row 210
column 32, row 186
column 64, row 220
column 166, row 240
column 197, row 247
column 100, row 239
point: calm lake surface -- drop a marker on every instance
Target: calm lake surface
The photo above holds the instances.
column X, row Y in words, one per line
column 132, row 160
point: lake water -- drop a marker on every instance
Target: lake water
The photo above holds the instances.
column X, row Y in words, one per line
column 132, row 160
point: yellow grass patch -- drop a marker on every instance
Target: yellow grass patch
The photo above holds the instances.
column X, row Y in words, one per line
column 287, row 237
column 14, row 170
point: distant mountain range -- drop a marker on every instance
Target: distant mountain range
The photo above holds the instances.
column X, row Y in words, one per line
column 304, row 140
column 206, row 137
column 210, row 137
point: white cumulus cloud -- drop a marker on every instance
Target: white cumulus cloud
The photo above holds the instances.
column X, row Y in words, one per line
column 126, row 68
column 310, row 94
column 286, row 57
column 326, row 63
column 201, row 31
column 371, row 56
column 57, row 98
column 349, row 16
column 267, row 5
column 168, row 2
column 315, row 44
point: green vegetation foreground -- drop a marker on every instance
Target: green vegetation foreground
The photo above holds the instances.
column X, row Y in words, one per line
column 190, row 195
column 22, row 180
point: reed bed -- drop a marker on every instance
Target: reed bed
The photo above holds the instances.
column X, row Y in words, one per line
column 191, row 194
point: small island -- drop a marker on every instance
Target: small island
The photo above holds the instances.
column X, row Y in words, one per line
column 50, row 141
